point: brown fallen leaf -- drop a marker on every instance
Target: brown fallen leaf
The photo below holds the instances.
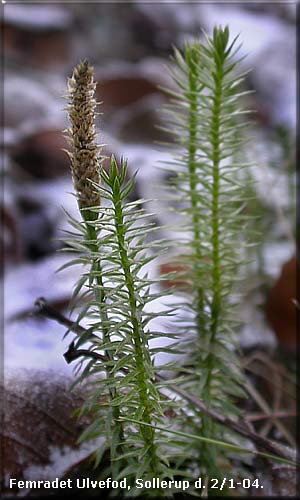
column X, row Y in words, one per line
column 40, row 432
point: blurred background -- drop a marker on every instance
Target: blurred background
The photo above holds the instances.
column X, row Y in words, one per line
column 129, row 45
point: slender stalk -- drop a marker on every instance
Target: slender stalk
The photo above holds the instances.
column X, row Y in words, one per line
column 85, row 163
column 100, row 299
column 204, row 109
column 216, row 301
column 193, row 118
column 137, row 331
column 208, row 426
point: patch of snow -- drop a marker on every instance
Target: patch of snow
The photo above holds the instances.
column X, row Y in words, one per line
column 61, row 460
column 31, row 342
column 255, row 330
column 36, row 345
column 27, row 282
column 39, row 17
column 57, row 194
column 276, row 255
column 37, row 103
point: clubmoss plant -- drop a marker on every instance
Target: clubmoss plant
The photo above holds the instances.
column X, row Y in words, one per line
column 126, row 395
column 111, row 241
column 204, row 120
column 85, row 156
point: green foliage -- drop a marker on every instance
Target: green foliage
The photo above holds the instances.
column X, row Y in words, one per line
column 125, row 396
column 204, row 118
column 112, row 241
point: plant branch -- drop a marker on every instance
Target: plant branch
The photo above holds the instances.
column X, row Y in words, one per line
column 139, row 340
column 254, row 417
column 217, row 442
column 44, row 309
column 193, row 117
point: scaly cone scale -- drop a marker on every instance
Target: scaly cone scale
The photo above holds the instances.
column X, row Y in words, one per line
column 84, row 154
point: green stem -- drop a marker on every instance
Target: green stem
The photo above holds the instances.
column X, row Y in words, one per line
column 216, row 301
column 100, row 299
column 192, row 166
column 137, row 332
